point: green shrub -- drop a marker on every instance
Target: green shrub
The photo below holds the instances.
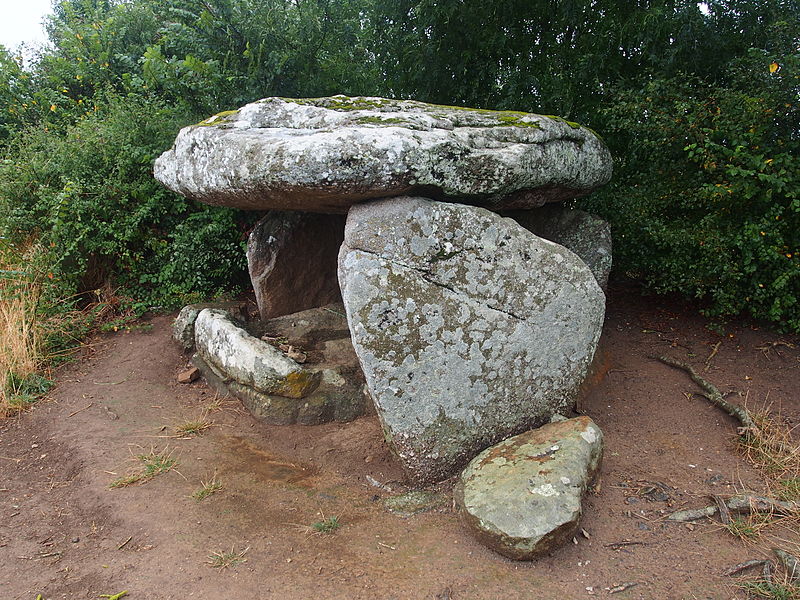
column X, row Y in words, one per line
column 89, row 196
column 706, row 198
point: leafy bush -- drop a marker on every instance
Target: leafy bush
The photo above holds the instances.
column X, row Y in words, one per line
column 89, row 196
column 706, row 200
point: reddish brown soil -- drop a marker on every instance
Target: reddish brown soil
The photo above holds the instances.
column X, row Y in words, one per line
column 63, row 531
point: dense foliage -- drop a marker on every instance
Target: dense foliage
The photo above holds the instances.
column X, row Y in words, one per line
column 697, row 101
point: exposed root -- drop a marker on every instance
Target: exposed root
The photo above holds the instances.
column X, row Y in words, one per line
column 739, row 504
column 713, row 395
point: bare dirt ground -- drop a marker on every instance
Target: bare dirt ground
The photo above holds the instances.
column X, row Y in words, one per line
column 64, row 533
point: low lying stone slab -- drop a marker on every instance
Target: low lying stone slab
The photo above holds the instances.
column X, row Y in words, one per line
column 320, row 336
column 326, row 154
column 522, row 497
column 248, row 361
column 183, row 326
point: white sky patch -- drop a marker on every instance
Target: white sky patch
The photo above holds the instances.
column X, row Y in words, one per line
column 21, row 22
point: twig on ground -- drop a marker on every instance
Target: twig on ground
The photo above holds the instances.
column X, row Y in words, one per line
column 125, row 543
column 622, row 587
column 80, row 410
column 745, row 565
column 724, row 513
column 711, row 356
column 713, row 395
column 742, row 503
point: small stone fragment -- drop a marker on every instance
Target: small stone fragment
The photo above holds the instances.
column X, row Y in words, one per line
column 521, row 498
column 414, row 502
column 189, row 375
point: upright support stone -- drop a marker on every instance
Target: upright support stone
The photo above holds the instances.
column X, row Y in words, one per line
column 586, row 235
column 468, row 327
column 291, row 257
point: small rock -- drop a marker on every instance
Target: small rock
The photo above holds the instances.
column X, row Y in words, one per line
column 75, row 540
column 521, row 498
column 189, row 375
column 414, row 502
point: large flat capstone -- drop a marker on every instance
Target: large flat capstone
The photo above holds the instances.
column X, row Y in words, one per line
column 325, row 154
column 468, row 327
column 522, row 497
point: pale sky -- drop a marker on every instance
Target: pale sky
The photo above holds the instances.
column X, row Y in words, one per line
column 22, row 22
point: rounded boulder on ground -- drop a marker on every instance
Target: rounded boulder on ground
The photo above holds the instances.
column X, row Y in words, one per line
column 522, row 497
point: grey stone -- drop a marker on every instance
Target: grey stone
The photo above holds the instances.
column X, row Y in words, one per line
column 247, row 361
column 586, row 235
column 325, row 154
column 414, row 502
column 468, row 327
column 183, row 326
column 522, row 497
column 323, row 336
column 291, row 257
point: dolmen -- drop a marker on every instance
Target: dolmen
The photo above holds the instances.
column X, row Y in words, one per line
column 474, row 300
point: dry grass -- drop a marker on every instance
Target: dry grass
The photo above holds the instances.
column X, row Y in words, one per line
column 772, row 449
column 192, row 428
column 207, row 488
column 223, row 559
column 20, row 331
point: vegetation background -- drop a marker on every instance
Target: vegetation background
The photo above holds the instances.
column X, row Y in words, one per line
column 697, row 101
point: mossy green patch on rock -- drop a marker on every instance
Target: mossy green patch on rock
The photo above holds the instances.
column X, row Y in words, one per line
column 572, row 124
column 218, row 119
column 376, row 120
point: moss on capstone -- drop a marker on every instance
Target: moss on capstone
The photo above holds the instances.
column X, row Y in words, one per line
column 218, row 119
column 572, row 124
column 382, row 121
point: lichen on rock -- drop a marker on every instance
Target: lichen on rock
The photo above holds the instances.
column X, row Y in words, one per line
column 325, row 154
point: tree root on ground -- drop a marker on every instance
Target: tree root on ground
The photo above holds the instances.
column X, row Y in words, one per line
column 713, row 395
column 739, row 504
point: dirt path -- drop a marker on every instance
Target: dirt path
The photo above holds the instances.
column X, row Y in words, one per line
column 65, row 533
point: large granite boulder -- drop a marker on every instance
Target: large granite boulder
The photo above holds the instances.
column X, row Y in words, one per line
column 468, row 327
column 522, row 497
column 325, row 154
column 291, row 257
column 586, row 235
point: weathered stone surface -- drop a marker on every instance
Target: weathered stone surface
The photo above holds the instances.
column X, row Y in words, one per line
column 522, row 497
column 183, row 326
column 247, row 361
column 414, row 502
column 468, row 327
column 586, row 235
column 325, row 154
column 292, row 261
column 321, row 335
